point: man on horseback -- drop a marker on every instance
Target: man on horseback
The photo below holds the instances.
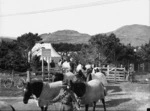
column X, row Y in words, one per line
column 72, row 65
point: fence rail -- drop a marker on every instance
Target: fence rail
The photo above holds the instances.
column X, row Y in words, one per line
column 114, row 74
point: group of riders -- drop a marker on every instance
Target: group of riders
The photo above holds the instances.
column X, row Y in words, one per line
column 69, row 64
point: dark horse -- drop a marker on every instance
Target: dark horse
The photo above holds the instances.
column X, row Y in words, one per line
column 43, row 91
column 79, row 75
column 89, row 92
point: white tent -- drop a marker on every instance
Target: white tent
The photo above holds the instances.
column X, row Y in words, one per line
column 37, row 50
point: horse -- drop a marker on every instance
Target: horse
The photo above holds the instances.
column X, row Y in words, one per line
column 63, row 76
column 43, row 91
column 92, row 73
column 68, row 76
column 97, row 74
column 4, row 106
column 89, row 92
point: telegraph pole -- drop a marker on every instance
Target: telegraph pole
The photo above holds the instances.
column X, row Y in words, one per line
column 149, row 12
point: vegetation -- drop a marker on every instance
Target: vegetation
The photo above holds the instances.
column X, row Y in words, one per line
column 107, row 49
column 14, row 55
column 101, row 48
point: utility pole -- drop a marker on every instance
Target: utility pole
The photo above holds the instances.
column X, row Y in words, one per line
column 149, row 12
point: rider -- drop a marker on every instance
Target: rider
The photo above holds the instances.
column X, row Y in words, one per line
column 72, row 65
column 79, row 66
column 88, row 66
column 66, row 65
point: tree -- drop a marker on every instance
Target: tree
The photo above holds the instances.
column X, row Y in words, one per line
column 36, row 63
column 25, row 43
column 108, row 47
column 10, row 56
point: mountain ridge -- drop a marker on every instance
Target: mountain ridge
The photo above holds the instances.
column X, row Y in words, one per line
column 134, row 34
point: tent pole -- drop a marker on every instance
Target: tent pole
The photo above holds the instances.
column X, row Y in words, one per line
column 48, row 68
column 42, row 69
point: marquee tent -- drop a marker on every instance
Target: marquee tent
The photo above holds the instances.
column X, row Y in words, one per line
column 37, row 50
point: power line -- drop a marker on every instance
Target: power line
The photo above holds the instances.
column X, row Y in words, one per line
column 91, row 4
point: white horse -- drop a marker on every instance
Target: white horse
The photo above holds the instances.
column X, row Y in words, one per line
column 97, row 74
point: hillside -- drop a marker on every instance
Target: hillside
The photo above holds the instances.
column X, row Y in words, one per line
column 136, row 35
column 66, row 36
column 7, row 39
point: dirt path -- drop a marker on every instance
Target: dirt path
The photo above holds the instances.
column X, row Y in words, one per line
column 128, row 97
column 120, row 97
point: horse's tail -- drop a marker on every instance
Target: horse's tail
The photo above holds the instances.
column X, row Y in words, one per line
column 13, row 109
column 105, row 91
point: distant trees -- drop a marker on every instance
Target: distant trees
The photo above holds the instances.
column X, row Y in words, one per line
column 66, row 47
column 104, row 48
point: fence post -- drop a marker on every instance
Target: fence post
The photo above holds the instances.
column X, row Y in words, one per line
column 107, row 69
column 115, row 73
column 28, row 76
column 124, row 73
column 0, row 84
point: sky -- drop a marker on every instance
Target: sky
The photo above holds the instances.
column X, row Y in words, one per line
column 18, row 17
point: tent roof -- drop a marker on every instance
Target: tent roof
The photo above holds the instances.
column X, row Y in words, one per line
column 37, row 49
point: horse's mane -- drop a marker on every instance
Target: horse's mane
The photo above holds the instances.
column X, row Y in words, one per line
column 58, row 76
column 36, row 86
column 79, row 87
column 80, row 75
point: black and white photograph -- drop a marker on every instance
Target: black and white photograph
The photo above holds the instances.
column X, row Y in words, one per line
column 74, row 55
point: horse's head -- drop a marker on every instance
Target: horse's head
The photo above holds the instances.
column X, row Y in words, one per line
column 78, row 87
column 27, row 92
column 89, row 71
column 32, row 88
column 96, row 69
column 80, row 75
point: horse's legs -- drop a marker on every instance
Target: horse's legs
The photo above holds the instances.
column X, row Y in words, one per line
column 45, row 108
column 42, row 108
column 94, row 105
column 103, row 101
column 13, row 109
column 86, row 107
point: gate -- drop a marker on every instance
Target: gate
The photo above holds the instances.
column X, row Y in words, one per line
column 114, row 73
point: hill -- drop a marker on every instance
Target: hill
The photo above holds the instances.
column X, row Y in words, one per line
column 66, row 36
column 135, row 34
column 7, row 39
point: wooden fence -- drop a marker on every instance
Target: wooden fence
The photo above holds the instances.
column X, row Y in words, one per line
column 114, row 73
